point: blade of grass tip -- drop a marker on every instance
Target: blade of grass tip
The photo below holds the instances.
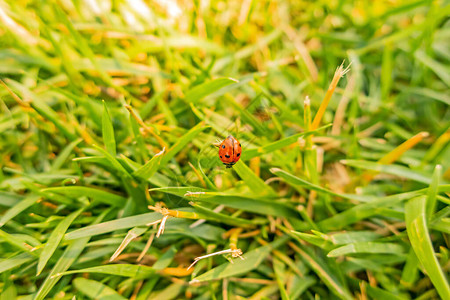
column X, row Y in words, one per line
column 432, row 192
column 131, row 235
column 54, row 240
column 63, row 155
column 254, row 152
column 328, row 279
column 150, row 167
column 437, row 147
column 108, row 131
column 398, row 151
column 114, row 162
column 280, row 272
column 416, row 227
column 206, row 88
column 340, row 72
column 96, row 290
column 68, row 257
column 251, row 261
column 256, row 184
column 182, row 142
column 18, row 208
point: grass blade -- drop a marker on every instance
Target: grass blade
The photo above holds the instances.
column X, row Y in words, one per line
column 367, row 247
column 54, row 240
column 18, row 208
column 96, row 290
column 256, row 184
column 432, row 192
column 108, row 131
column 182, row 142
column 125, row 270
column 69, row 256
column 124, row 223
column 204, row 89
column 239, row 267
column 416, row 226
column 93, row 193
column 150, row 167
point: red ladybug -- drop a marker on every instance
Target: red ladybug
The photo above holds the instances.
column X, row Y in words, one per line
column 230, row 151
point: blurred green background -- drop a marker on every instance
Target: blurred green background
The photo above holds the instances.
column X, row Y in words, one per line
column 109, row 107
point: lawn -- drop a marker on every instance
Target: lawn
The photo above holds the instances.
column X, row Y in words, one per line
column 111, row 184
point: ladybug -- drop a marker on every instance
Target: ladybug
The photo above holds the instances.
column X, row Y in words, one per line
column 230, row 151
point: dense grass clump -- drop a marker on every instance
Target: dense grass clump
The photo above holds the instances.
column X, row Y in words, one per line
column 111, row 187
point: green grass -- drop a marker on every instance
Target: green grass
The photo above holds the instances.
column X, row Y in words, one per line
column 110, row 185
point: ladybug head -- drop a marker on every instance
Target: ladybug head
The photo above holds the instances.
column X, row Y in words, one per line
column 230, row 165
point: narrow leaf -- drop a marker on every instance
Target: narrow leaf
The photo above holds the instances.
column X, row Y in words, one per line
column 96, row 290
column 128, row 222
column 108, row 131
column 18, row 208
column 416, row 227
column 54, row 240
column 204, row 89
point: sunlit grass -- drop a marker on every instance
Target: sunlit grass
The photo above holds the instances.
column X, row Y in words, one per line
column 111, row 186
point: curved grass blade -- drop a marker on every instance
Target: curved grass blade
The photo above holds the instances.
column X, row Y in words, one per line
column 432, row 192
column 256, row 184
column 389, row 169
column 93, row 193
column 69, row 256
column 96, row 290
column 363, row 211
column 54, row 240
column 367, row 247
column 150, row 167
column 182, row 142
column 125, row 270
column 18, row 208
column 15, row 261
column 254, row 152
column 296, row 181
column 322, row 271
column 204, row 89
column 62, row 157
column 209, row 214
column 131, row 235
column 124, row 223
column 239, row 267
column 416, row 227
column 108, row 131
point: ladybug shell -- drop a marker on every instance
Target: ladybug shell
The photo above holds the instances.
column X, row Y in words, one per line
column 230, row 151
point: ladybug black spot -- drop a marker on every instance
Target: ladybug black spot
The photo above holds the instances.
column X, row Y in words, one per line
column 221, row 156
column 239, row 144
column 227, row 156
column 223, row 146
column 238, row 154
